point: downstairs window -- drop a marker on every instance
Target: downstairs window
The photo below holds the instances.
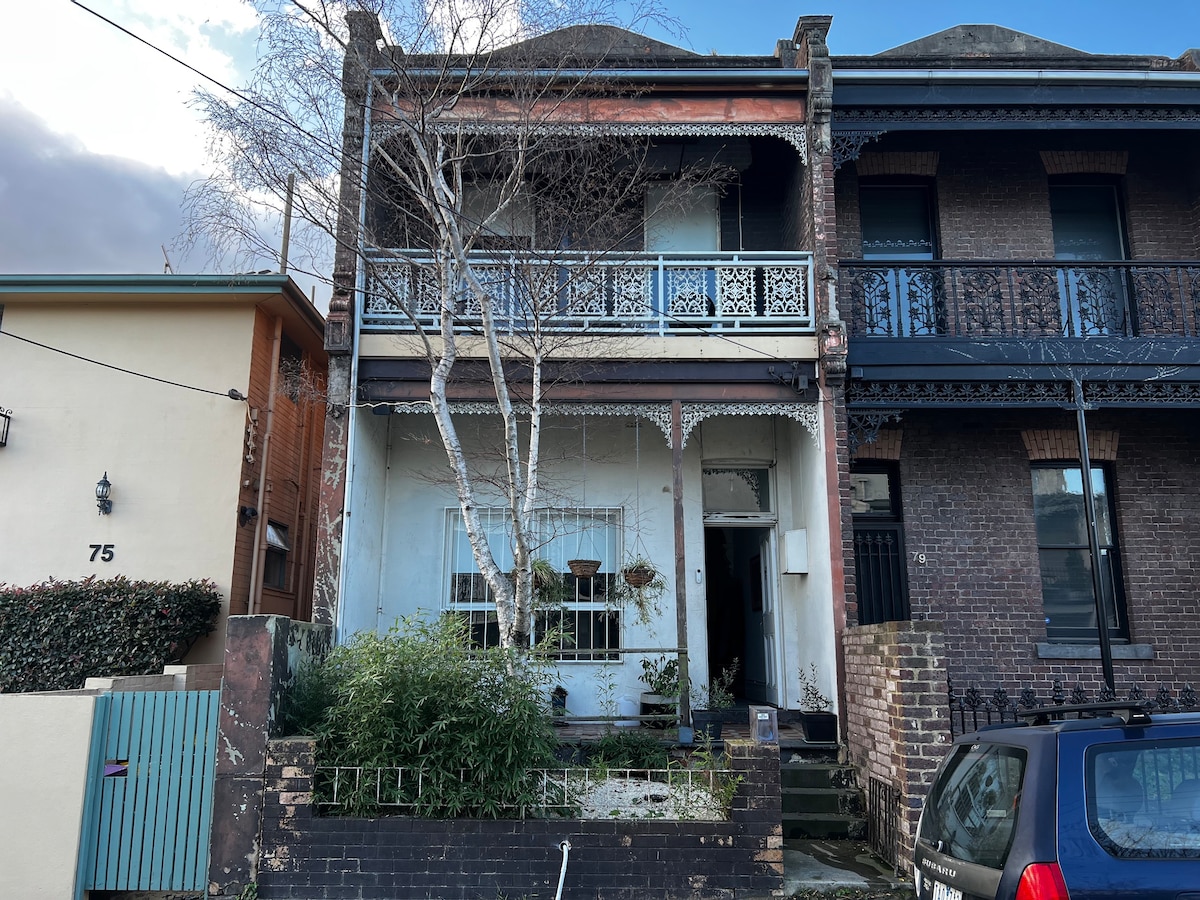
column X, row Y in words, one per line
column 578, row 619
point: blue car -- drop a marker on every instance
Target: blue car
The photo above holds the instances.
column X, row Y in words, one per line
column 1101, row 807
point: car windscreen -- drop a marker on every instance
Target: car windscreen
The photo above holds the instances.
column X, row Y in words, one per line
column 1143, row 798
column 972, row 809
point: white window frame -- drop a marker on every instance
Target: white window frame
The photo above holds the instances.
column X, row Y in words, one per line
column 562, row 535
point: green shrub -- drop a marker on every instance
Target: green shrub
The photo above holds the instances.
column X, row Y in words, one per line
column 55, row 635
column 472, row 722
column 629, row 748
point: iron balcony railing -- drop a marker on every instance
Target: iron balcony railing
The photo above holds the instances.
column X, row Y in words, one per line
column 613, row 293
column 1034, row 299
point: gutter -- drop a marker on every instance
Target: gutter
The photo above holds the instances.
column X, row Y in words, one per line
column 1008, row 76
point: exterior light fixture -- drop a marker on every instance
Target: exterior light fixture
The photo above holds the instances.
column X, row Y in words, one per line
column 102, row 502
column 5, row 419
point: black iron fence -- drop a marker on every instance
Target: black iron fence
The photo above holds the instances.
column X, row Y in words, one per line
column 883, row 820
column 1022, row 299
column 971, row 708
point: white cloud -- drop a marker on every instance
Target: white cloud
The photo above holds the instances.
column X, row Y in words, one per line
column 116, row 96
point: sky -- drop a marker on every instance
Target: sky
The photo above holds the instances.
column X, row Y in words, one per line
column 98, row 140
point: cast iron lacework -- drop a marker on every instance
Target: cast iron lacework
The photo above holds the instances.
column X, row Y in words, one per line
column 792, row 133
column 864, row 426
column 804, row 413
column 657, row 413
column 929, row 393
column 1030, row 299
column 847, row 145
column 972, row 709
column 1170, row 393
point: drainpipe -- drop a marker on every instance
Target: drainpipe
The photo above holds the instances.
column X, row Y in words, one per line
column 259, row 559
column 1089, row 506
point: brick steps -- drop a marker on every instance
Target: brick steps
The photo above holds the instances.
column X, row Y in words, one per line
column 820, row 799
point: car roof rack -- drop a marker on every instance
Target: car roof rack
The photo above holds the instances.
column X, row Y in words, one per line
column 1131, row 712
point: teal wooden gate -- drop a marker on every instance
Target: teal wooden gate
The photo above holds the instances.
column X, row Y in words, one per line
column 149, row 797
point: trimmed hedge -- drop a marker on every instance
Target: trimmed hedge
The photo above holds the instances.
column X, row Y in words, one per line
column 55, row 635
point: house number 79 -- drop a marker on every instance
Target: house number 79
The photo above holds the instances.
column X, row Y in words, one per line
column 104, row 551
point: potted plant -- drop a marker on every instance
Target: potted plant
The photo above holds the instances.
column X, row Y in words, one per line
column 819, row 724
column 641, row 586
column 712, row 700
column 661, row 677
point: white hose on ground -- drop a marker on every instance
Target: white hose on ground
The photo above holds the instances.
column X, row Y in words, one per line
column 565, row 847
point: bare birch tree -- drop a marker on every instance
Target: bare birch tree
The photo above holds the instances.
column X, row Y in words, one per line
column 486, row 169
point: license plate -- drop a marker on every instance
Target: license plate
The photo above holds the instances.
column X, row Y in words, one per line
column 945, row 892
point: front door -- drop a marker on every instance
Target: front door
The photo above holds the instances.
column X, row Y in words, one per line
column 741, row 604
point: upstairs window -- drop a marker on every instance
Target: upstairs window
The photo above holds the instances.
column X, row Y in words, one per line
column 1086, row 219
column 897, row 221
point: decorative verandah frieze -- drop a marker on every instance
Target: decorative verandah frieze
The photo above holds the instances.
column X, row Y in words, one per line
column 792, row 132
column 657, row 413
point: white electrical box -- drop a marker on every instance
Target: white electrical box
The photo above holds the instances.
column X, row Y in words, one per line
column 795, row 552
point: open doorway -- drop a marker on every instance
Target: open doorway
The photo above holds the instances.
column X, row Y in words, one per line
column 740, row 601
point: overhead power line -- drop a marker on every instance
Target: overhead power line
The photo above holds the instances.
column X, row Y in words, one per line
column 232, row 393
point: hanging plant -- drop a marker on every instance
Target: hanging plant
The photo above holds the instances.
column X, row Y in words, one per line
column 583, row 568
column 638, row 574
column 642, row 587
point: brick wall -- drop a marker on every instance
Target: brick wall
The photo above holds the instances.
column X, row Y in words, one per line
column 967, row 506
column 993, row 204
column 896, row 711
column 328, row 858
column 992, row 199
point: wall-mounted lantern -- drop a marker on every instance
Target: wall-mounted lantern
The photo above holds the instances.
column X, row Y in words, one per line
column 5, row 419
column 102, row 502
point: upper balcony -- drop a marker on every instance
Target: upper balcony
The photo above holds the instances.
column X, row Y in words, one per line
column 650, row 294
column 1042, row 300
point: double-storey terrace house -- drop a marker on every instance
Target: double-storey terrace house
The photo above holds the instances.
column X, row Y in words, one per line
column 1017, row 237
column 682, row 407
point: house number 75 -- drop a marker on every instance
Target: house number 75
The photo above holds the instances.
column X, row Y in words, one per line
column 104, row 551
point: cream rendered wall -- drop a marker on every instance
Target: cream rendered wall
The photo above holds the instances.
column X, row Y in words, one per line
column 625, row 467
column 173, row 455
column 44, row 746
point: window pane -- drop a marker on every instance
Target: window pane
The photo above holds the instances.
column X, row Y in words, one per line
column 895, row 222
column 1059, row 509
column 1067, row 589
column 1143, row 799
column 871, row 493
column 736, row 490
column 1085, row 222
column 975, row 803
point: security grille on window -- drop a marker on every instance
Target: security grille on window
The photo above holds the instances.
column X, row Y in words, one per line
column 581, row 622
column 275, row 567
column 1065, row 555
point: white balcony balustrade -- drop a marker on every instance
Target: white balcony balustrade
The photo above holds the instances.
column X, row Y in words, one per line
column 563, row 291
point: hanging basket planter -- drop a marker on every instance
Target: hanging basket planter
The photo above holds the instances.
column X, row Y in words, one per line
column 583, row 568
column 638, row 576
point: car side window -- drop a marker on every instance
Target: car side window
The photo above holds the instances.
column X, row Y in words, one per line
column 1144, row 798
column 972, row 809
